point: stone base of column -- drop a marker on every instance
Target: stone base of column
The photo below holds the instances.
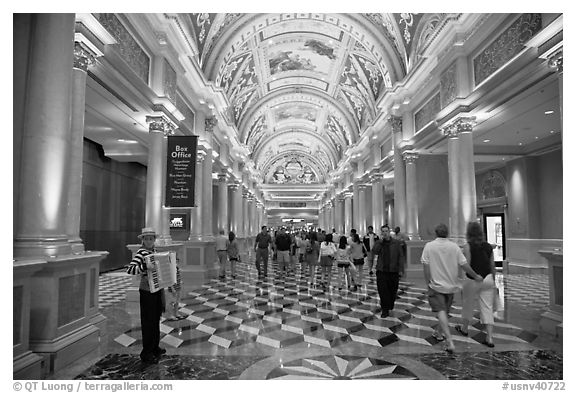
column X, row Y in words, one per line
column 199, row 263
column 27, row 366
column 76, row 245
column 414, row 267
column 64, row 318
column 40, row 247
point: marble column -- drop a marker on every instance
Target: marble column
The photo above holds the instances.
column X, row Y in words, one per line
column 251, row 215
column 347, row 212
column 556, row 61
column 355, row 206
column 362, row 228
column 377, row 202
column 41, row 217
column 461, row 177
column 399, row 174
column 159, row 127
column 223, row 202
column 245, row 216
column 411, row 195
column 83, row 58
column 208, row 230
column 235, row 208
column 196, row 219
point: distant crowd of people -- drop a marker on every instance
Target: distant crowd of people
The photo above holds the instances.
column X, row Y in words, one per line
column 383, row 253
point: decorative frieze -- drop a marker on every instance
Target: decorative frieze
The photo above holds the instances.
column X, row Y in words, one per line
column 169, row 81
column 427, row 113
column 129, row 49
column 448, row 86
column 506, row 46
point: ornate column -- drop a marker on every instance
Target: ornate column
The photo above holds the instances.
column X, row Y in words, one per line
column 339, row 214
column 235, row 208
column 41, row 217
column 328, row 217
column 355, row 207
column 411, row 195
column 399, row 174
column 245, row 216
column 362, row 228
column 83, row 58
column 196, row 219
column 251, row 215
column 223, row 202
column 377, row 202
column 556, row 61
column 347, row 212
column 461, row 176
column 209, row 124
column 159, row 128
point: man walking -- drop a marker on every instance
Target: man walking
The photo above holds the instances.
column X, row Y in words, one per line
column 369, row 239
column 263, row 241
column 388, row 268
column 441, row 259
column 283, row 242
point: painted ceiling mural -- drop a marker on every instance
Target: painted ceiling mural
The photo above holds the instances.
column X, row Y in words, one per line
column 301, row 83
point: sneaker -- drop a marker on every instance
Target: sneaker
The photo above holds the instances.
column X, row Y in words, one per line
column 385, row 314
column 438, row 336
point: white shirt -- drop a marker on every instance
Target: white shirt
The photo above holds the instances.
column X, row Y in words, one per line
column 444, row 257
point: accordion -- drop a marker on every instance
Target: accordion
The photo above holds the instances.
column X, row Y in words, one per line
column 161, row 268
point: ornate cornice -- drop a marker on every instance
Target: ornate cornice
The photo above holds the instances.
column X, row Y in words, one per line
column 460, row 125
column 210, row 123
column 556, row 61
column 83, row 56
column 160, row 123
column 395, row 123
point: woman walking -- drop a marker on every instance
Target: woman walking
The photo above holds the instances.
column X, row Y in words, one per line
column 326, row 257
column 233, row 253
column 481, row 259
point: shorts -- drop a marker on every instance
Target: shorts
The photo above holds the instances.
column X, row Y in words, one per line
column 358, row 261
column 345, row 264
column 440, row 301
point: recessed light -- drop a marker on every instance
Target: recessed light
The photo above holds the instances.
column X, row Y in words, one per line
column 548, row 112
column 551, row 132
column 375, row 137
column 486, row 140
column 535, row 137
column 520, row 144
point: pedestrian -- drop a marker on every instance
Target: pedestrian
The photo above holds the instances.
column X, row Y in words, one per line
column 402, row 238
column 357, row 251
column 369, row 239
column 262, row 247
column 343, row 263
column 283, row 243
column 480, row 256
column 222, row 243
column 152, row 304
column 312, row 252
column 325, row 259
column 441, row 259
column 233, row 252
column 388, row 270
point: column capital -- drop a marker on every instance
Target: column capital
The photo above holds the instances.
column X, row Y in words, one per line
column 347, row 194
column 222, row 177
column 83, row 56
column 200, row 154
column 556, row 60
column 410, row 157
column 458, row 126
column 234, row 186
column 210, row 123
column 160, row 123
column 395, row 122
column 376, row 177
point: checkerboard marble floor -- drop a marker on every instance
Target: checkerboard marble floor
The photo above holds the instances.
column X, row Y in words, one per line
column 288, row 313
column 273, row 327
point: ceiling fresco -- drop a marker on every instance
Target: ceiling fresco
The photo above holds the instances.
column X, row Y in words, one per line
column 301, row 83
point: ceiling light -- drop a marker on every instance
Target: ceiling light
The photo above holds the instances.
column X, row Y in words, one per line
column 486, row 140
column 548, row 112
column 520, row 144
column 126, row 141
column 535, row 137
column 551, row 132
column 375, row 137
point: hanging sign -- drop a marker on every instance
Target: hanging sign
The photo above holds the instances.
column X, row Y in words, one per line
column 181, row 171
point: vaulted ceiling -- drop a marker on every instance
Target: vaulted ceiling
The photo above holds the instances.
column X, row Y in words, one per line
column 303, row 86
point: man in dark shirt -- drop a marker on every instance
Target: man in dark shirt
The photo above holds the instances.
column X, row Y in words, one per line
column 263, row 240
column 283, row 242
column 388, row 269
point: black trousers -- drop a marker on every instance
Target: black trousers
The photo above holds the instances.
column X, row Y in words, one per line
column 387, row 284
column 151, row 308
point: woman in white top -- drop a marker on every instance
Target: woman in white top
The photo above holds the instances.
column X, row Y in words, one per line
column 343, row 263
column 325, row 258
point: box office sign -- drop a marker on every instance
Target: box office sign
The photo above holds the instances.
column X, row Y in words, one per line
column 181, row 171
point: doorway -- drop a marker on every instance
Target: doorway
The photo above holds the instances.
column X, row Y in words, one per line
column 496, row 235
